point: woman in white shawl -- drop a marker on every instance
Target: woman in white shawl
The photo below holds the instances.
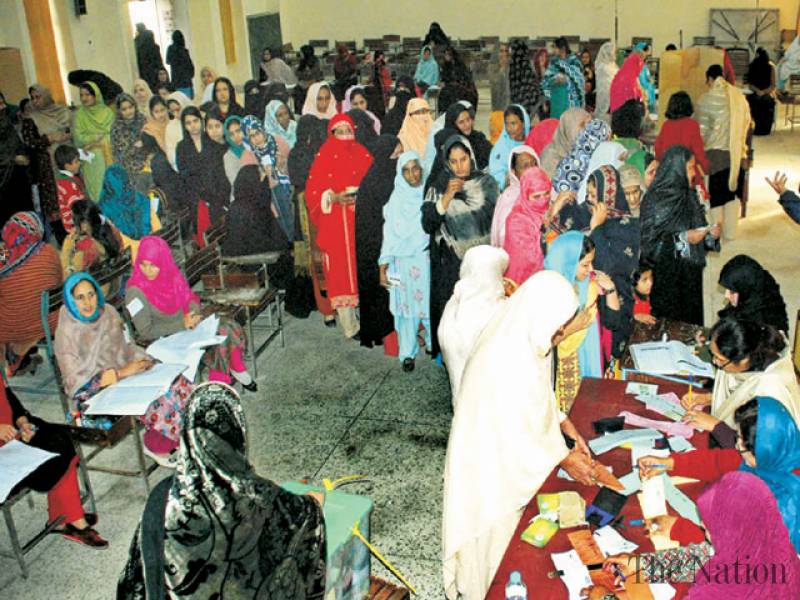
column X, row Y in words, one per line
column 506, row 436
column 478, row 295
column 320, row 101
column 605, row 68
column 174, row 133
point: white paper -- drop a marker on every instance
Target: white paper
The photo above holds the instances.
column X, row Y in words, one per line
column 576, row 575
column 133, row 395
column 662, row 591
column 669, row 358
column 612, row 543
column 668, row 405
column 680, row 444
column 641, row 389
column 631, row 481
column 609, row 441
column 17, row 461
column 186, row 347
column 653, row 498
column 134, row 306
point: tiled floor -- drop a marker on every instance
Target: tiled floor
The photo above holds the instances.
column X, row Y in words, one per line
column 329, row 408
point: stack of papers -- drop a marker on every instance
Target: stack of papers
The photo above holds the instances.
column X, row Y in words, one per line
column 188, row 346
column 132, row 395
column 669, row 358
column 17, row 461
column 668, row 405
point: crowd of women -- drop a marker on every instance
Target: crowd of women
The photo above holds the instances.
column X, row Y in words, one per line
column 545, row 241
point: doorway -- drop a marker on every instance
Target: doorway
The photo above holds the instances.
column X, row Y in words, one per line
column 264, row 32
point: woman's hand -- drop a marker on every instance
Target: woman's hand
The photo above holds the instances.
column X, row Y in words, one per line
column 650, row 466
column 564, row 197
column 568, row 427
column 626, row 563
column 579, row 467
column 134, row 367
column 384, row 277
column 191, row 319
column 26, row 430
column 454, row 186
column 777, row 183
column 715, row 230
column 7, row 433
column 582, row 320
column 700, row 420
column 644, row 318
column 599, row 215
column 696, row 236
column 698, row 400
column 604, row 281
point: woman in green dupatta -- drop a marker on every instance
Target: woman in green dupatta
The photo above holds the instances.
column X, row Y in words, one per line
column 93, row 134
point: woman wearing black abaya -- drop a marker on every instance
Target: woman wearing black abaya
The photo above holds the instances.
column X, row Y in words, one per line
column 376, row 187
column 674, row 229
column 219, row 530
column 752, row 294
column 253, row 99
column 365, row 130
column 15, row 187
column 761, row 81
column 459, row 120
column 393, row 120
column 457, row 81
column 524, row 85
column 457, row 214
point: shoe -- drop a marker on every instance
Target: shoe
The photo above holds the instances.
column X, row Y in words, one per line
column 356, row 337
column 330, row 322
column 251, row 387
column 408, row 365
column 87, row 537
column 168, row 461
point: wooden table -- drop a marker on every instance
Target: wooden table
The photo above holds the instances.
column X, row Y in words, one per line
column 597, row 398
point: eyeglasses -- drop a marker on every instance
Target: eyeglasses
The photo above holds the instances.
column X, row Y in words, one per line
column 715, row 361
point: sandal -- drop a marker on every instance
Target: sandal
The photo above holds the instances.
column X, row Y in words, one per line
column 87, row 537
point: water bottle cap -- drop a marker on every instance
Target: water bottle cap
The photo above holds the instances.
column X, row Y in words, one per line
column 515, row 577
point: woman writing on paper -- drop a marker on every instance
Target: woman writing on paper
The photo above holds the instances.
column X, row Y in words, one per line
column 92, row 353
column 161, row 302
column 752, row 359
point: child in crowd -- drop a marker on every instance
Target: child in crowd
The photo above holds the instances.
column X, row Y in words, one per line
column 69, row 185
column 642, row 284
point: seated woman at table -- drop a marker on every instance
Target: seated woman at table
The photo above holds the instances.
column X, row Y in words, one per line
column 746, row 533
column 93, row 353
column 58, row 476
column 751, row 360
column 752, row 293
column 191, row 541
column 161, row 302
column 477, row 297
column 579, row 347
column 510, row 419
column 767, row 445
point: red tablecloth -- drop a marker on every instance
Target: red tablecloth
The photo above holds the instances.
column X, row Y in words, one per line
column 596, row 399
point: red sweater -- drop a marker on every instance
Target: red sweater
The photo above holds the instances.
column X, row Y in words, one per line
column 682, row 132
column 70, row 189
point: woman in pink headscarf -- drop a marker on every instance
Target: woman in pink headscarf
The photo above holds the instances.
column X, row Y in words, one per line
column 161, row 302
column 625, row 85
column 520, row 159
column 541, row 135
column 523, row 241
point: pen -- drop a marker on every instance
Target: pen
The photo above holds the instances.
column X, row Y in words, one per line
column 691, row 381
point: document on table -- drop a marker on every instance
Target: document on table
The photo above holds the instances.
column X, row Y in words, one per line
column 669, row 358
column 644, row 449
column 668, row 405
column 187, row 346
column 641, row 389
column 612, row 543
column 631, row 481
column 609, row 441
column 576, row 575
column 682, row 504
column 680, row 444
column 17, row 461
column 132, row 395
column 653, row 497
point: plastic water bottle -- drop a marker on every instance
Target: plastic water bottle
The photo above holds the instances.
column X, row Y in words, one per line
column 515, row 588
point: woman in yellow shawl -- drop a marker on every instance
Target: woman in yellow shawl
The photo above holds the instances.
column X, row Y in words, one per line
column 92, row 133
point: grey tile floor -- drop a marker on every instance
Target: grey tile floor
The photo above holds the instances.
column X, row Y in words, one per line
column 329, row 408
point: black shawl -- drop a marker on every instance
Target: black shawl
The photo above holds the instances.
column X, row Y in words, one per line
column 759, row 73
column 523, row 82
column 169, row 182
column 254, row 99
column 670, row 206
column 108, row 87
column 760, row 298
column 365, row 129
column 252, row 228
column 373, row 193
column 311, row 134
column 227, row 532
column 481, row 147
column 393, row 120
column 204, row 173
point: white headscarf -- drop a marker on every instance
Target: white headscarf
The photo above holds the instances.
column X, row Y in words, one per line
column 506, row 434
column 607, row 153
column 605, row 68
column 310, row 105
column 476, row 298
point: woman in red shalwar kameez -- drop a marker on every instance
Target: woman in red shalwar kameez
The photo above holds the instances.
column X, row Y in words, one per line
column 330, row 195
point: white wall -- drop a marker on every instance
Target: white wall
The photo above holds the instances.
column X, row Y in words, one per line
column 14, row 34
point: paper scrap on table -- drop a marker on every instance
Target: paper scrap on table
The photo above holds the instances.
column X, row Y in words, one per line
column 17, row 461
column 571, row 510
column 609, row 441
column 641, row 389
column 653, row 498
column 668, row 427
column 680, row 444
column 576, row 575
column 611, row 542
column 682, row 504
column 631, row 481
column 668, row 405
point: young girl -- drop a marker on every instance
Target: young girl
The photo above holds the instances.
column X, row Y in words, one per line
column 642, row 284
